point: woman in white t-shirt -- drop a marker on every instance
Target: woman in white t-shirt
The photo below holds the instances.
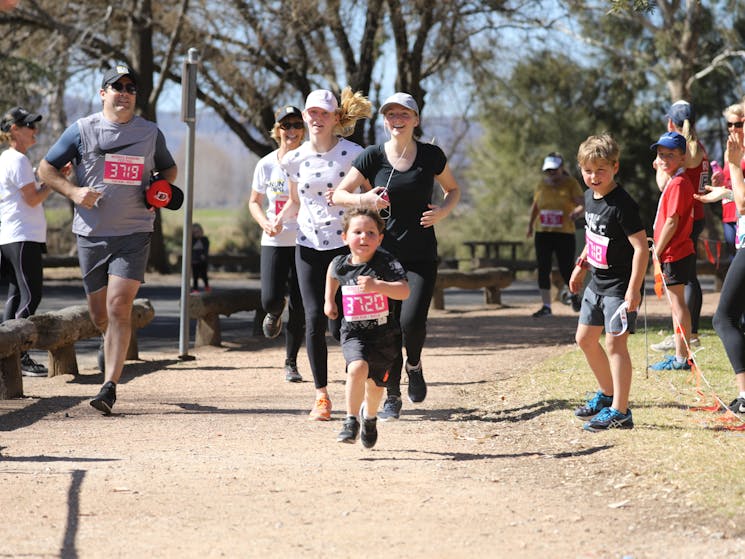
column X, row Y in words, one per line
column 23, row 227
column 278, row 275
column 314, row 170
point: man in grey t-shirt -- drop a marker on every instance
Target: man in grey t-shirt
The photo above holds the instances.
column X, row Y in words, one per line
column 115, row 153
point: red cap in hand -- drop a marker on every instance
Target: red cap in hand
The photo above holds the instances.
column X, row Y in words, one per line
column 162, row 194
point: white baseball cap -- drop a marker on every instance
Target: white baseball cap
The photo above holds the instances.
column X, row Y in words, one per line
column 551, row 162
column 399, row 98
column 321, row 99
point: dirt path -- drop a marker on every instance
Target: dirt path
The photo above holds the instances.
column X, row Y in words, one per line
column 215, row 458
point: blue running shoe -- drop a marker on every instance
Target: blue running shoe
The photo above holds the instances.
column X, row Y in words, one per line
column 594, row 405
column 670, row 364
column 610, row 418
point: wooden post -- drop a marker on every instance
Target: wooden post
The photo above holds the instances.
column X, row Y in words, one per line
column 16, row 335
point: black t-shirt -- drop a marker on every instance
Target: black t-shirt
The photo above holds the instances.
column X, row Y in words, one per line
column 410, row 192
column 366, row 311
column 610, row 221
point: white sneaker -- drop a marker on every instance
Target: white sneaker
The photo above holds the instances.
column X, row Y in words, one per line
column 665, row 345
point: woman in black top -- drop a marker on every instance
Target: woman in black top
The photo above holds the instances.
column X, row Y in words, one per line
column 398, row 178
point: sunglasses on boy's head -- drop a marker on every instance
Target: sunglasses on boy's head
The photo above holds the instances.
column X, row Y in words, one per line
column 734, row 124
column 290, row 125
column 128, row 87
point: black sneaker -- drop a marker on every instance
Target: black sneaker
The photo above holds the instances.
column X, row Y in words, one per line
column 576, row 302
column 369, row 432
column 391, row 408
column 417, row 384
column 272, row 326
column 101, row 358
column 737, row 405
column 30, row 368
column 349, row 432
column 291, row 372
column 105, row 398
column 543, row 311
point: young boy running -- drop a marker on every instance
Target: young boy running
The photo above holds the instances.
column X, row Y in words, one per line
column 672, row 240
column 616, row 251
column 370, row 335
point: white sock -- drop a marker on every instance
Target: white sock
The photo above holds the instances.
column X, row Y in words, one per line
column 680, row 360
column 742, row 394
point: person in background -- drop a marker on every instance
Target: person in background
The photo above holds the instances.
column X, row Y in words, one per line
column 314, row 170
column 278, row 272
column 200, row 252
column 673, row 245
column 734, row 115
column 557, row 202
column 23, row 227
column 398, row 178
column 116, row 153
column 681, row 119
column 370, row 333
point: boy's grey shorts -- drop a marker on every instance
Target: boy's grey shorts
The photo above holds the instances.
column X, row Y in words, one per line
column 597, row 310
column 123, row 256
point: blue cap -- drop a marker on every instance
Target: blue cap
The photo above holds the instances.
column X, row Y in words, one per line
column 680, row 111
column 671, row 140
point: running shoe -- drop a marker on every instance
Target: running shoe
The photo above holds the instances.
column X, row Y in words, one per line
column 321, row 410
column 30, row 368
column 610, row 418
column 391, row 408
column 417, row 384
column 667, row 344
column 594, row 405
column 669, row 363
column 543, row 311
column 737, row 405
column 272, row 326
column 369, row 432
column 349, row 431
column 291, row 372
column 104, row 400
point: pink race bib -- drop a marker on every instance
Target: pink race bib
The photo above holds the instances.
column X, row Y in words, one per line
column 363, row 306
column 597, row 249
column 552, row 218
column 123, row 169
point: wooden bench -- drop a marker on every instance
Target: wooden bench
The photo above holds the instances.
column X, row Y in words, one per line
column 59, row 330
column 16, row 335
column 491, row 280
column 206, row 308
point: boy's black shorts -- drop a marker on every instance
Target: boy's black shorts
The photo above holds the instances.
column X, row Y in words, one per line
column 680, row 271
column 378, row 348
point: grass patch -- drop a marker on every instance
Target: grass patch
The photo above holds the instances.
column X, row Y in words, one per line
column 671, row 445
column 221, row 225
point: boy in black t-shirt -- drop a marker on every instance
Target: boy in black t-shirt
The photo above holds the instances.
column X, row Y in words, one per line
column 617, row 253
column 370, row 334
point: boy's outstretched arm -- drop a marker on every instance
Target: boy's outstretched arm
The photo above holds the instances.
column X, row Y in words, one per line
column 398, row 290
column 639, row 263
column 332, row 286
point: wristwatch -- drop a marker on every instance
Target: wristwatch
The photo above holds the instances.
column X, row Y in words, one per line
column 582, row 263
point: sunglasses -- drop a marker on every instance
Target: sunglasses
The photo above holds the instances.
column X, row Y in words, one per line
column 128, row 87
column 734, row 124
column 291, row 125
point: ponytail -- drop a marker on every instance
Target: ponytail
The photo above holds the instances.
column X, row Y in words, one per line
column 354, row 107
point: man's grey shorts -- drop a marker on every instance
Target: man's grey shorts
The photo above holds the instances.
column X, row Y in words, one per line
column 597, row 310
column 123, row 256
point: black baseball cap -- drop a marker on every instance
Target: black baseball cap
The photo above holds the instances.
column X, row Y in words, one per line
column 112, row 75
column 17, row 115
column 287, row 110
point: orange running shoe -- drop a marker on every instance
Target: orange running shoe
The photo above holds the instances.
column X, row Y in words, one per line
column 321, row 410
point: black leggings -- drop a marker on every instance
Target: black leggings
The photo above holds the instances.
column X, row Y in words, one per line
column 311, row 265
column 693, row 296
column 564, row 245
column 412, row 315
column 729, row 311
column 25, row 280
column 199, row 271
column 278, row 279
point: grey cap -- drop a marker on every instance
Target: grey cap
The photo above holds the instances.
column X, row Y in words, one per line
column 399, row 98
